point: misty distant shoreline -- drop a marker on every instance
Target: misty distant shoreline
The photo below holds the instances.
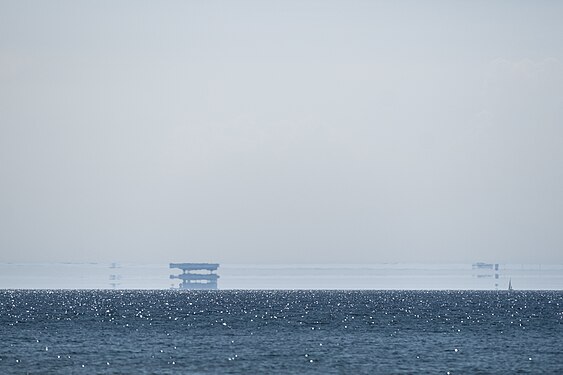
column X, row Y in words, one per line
column 384, row 276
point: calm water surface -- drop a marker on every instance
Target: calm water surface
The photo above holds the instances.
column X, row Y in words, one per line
column 168, row 332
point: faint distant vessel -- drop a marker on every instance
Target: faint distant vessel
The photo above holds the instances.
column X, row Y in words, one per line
column 196, row 275
column 485, row 270
column 482, row 266
column 510, row 285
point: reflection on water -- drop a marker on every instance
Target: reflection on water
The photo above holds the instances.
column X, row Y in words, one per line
column 374, row 276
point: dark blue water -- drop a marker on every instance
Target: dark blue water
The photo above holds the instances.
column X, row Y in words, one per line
column 49, row 332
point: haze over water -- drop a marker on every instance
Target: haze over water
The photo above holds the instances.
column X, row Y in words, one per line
column 281, row 132
column 286, row 276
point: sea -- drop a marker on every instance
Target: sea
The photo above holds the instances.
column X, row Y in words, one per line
column 280, row 332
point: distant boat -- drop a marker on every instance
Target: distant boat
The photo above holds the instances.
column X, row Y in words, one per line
column 510, row 284
column 482, row 266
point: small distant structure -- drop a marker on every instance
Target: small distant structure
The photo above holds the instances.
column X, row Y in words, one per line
column 486, row 270
column 196, row 276
column 114, row 277
column 481, row 269
column 483, row 266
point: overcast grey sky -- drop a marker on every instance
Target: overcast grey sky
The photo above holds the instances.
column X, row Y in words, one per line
column 281, row 131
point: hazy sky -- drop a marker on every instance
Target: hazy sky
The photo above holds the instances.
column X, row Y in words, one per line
column 281, row 131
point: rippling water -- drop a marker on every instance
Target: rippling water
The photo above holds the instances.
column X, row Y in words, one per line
column 280, row 332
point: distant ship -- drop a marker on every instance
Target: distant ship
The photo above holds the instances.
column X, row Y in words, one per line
column 196, row 275
column 482, row 266
column 510, row 285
